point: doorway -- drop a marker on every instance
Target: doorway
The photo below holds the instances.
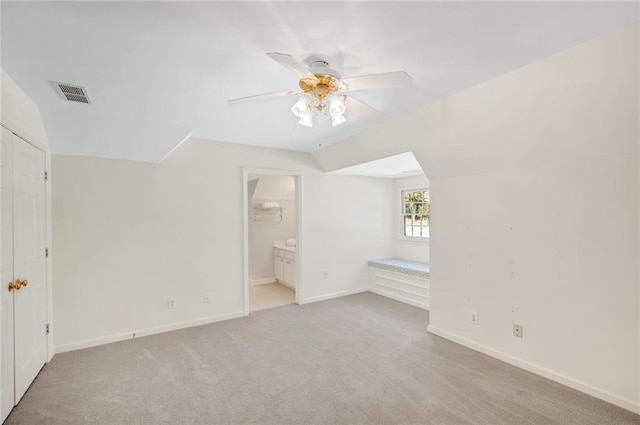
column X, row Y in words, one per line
column 272, row 238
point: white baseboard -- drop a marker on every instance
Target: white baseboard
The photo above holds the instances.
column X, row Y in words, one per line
column 262, row 281
column 333, row 295
column 400, row 298
column 145, row 332
column 539, row 370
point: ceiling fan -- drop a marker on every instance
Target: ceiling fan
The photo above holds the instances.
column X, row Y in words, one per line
column 324, row 91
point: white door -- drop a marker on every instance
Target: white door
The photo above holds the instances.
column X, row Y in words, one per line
column 29, row 264
column 6, row 276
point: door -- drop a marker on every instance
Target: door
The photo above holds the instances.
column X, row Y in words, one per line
column 29, row 264
column 23, row 308
column 6, row 276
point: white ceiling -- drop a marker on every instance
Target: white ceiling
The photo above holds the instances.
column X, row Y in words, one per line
column 392, row 167
column 273, row 188
column 157, row 72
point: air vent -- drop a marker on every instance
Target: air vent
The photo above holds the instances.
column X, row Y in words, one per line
column 70, row 92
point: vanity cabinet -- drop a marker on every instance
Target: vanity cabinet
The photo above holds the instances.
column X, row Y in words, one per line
column 284, row 267
column 278, row 268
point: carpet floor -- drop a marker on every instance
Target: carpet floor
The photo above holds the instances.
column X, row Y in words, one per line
column 362, row 359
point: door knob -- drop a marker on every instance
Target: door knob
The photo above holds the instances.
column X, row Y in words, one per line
column 13, row 286
column 19, row 284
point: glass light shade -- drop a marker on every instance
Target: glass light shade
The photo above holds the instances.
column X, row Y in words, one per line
column 306, row 120
column 336, row 107
column 301, row 108
column 337, row 119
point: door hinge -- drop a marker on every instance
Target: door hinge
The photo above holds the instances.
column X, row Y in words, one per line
column 46, row 253
column 46, row 175
column 48, row 329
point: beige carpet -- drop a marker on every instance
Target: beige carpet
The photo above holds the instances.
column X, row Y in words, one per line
column 362, row 359
column 270, row 295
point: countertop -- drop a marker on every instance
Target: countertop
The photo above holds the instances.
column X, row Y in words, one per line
column 283, row 246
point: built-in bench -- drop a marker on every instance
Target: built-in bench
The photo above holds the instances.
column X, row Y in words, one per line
column 401, row 280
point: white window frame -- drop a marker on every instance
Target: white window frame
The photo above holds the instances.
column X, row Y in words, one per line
column 416, row 239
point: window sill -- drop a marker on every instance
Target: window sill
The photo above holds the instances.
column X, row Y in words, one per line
column 421, row 241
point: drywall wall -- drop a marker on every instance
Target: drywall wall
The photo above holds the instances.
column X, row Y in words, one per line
column 505, row 123
column 552, row 248
column 535, row 218
column 413, row 250
column 550, row 243
column 19, row 113
column 264, row 231
column 128, row 236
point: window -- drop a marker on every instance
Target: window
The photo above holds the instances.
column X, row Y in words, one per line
column 415, row 213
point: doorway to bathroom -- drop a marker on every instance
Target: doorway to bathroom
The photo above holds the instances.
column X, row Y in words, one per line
column 272, row 223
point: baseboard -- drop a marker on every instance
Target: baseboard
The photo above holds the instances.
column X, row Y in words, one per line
column 333, row 295
column 262, row 281
column 539, row 370
column 146, row 332
column 400, row 298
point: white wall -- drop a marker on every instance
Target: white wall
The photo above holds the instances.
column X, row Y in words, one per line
column 262, row 233
column 552, row 248
column 413, row 250
column 19, row 113
column 128, row 236
column 534, row 189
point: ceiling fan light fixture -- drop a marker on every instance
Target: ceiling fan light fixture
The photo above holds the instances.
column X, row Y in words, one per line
column 323, row 89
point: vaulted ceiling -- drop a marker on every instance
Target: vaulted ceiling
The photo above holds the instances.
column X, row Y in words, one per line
column 158, row 72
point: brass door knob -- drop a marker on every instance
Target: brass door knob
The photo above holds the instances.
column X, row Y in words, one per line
column 13, row 286
column 20, row 283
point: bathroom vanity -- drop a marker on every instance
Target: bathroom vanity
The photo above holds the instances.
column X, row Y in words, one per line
column 284, row 264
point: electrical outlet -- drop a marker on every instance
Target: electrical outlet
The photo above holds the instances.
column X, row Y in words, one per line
column 171, row 303
column 325, row 275
column 517, row 331
column 475, row 317
column 206, row 298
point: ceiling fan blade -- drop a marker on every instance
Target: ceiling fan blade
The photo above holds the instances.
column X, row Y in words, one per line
column 354, row 105
column 264, row 96
column 389, row 80
column 292, row 63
